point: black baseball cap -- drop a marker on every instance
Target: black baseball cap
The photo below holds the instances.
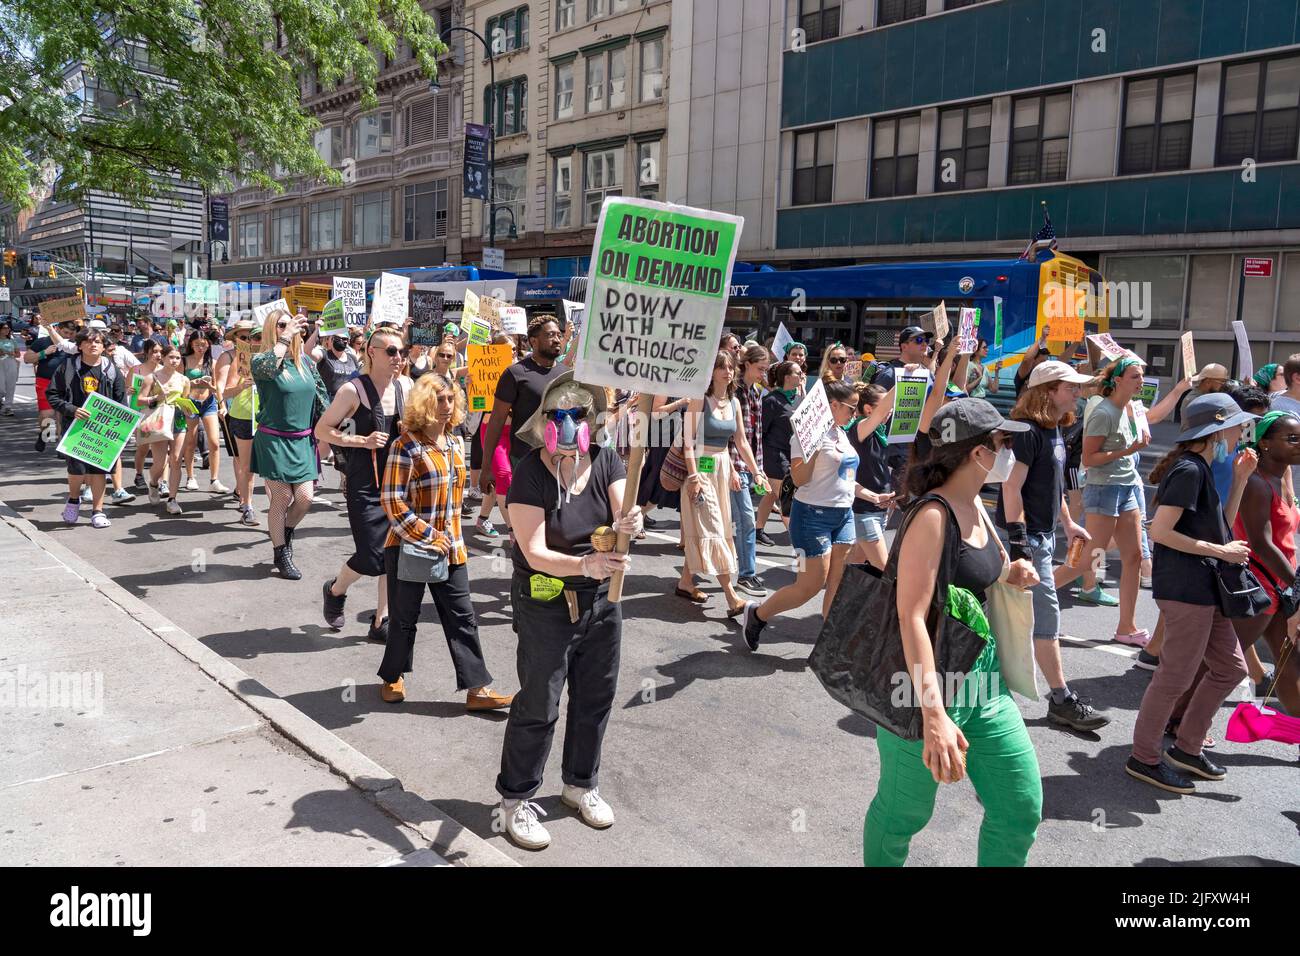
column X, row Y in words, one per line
column 958, row 421
column 909, row 333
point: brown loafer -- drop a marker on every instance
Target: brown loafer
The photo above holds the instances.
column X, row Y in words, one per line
column 393, row 693
column 487, row 699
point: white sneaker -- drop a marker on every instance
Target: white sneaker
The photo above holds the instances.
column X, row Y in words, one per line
column 86, row 495
column 162, row 488
column 217, row 488
column 248, row 517
column 192, row 484
column 154, row 495
column 522, row 826
column 595, row 811
column 173, row 507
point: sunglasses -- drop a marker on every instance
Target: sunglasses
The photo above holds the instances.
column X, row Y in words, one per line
column 393, row 351
column 837, row 361
column 241, row 338
column 920, row 340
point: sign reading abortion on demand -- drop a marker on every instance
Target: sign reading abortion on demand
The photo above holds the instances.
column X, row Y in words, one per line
column 657, row 296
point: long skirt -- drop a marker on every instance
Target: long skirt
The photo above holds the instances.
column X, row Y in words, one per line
column 706, row 522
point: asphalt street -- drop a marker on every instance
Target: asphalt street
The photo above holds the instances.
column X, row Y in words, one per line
column 713, row 755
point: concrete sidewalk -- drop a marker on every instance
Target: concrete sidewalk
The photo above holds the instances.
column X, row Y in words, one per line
column 126, row 742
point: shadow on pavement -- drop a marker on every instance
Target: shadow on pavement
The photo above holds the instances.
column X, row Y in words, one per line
column 335, row 811
column 713, row 665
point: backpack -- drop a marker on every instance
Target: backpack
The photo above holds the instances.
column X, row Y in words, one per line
column 69, row 371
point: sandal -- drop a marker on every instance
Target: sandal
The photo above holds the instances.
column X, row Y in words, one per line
column 695, row 597
column 738, row 610
column 1171, row 730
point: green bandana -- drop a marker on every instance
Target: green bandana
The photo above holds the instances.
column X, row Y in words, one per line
column 1263, row 425
column 1264, row 377
column 1122, row 366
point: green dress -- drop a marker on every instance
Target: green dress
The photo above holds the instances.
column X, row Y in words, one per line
column 288, row 401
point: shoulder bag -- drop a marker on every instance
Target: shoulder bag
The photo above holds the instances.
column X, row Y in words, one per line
column 421, row 565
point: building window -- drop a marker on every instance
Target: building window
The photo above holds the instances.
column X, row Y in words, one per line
column 1157, row 124
column 372, row 218
column 1040, row 139
column 895, row 145
column 1261, row 112
column 566, row 14
column 819, row 19
column 286, row 230
column 652, row 69
column 647, row 170
column 564, row 90
column 814, row 165
column 428, row 120
column 329, row 145
column 607, row 80
column 964, row 148
column 562, row 203
column 602, row 176
column 425, row 208
column 373, row 135
column 508, row 31
column 250, row 236
column 443, row 16
column 511, row 188
column 507, row 111
column 603, row 8
column 325, row 225
column 896, row 11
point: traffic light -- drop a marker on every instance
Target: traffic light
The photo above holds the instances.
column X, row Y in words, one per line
column 52, row 274
column 11, row 258
column 4, row 280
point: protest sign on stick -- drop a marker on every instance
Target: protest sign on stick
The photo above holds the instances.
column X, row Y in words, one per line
column 391, row 299
column 936, row 322
column 782, row 343
column 656, row 301
column 1245, row 360
column 332, row 318
column 966, row 331
column 1189, row 355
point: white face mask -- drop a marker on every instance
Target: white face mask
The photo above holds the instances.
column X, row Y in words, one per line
column 1002, row 466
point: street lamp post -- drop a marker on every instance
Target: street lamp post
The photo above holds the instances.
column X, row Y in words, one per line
column 492, row 132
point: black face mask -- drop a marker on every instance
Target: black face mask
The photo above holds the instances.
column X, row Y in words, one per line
column 338, row 346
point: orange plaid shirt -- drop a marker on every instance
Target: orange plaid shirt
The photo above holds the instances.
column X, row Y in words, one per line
column 418, row 497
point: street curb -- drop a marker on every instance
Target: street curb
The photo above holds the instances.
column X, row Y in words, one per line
column 454, row 842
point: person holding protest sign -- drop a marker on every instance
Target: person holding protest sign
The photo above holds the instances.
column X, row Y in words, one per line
column 665, row 416
column 199, row 370
column 170, row 387
column 913, row 349
column 1271, row 378
column 292, row 398
column 519, row 390
column 868, row 436
column 712, row 423
column 373, row 402
column 77, row 378
column 821, row 517
column 787, row 379
column 44, row 353
column 754, row 362
column 237, row 394
column 970, row 446
column 565, row 502
column 496, row 458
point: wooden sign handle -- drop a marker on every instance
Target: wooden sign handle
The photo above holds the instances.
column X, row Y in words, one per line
column 633, row 485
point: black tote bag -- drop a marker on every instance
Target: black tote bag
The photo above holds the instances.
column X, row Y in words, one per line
column 859, row 652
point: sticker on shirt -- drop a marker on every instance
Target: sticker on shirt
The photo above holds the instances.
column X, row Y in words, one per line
column 704, row 465
column 848, row 467
column 543, row 588
column 1058, row 452
column 89, row 383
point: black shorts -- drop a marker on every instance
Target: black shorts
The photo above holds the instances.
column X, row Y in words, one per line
column 240, row 428
column 476, row 446
column 79, row 468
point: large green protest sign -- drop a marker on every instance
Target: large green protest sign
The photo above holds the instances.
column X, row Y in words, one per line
column 909, row 401
column 99, row 439
column 332, row 318
column 660, row 276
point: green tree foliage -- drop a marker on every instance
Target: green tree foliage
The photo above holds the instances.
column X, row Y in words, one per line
column 107, row 94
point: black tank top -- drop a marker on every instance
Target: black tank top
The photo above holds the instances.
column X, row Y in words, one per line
column 359, row 465
column 335, row 371
column 977, row 568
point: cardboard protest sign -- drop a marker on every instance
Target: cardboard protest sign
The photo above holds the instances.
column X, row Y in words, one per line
column 391, row 299
column 99, row 439
column 936, row 322
column 656, row 296
column 1102, row 349
column 1149, row 394
column 514, row 320
column 812, row 419
column 333, row 318
column 56, row 311
column 966, row 331
column 781, row 344
column 201, row 291
column 1189, row 355
column 486, row 363
column 260, row 312
column 426, row 317
column 353, row 293
column 1245, row 360
column 489, row 309
column 909, row 401
column 853, row 371
column 480, row 333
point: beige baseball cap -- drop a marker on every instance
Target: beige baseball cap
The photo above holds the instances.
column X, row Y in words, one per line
column 1054, row 371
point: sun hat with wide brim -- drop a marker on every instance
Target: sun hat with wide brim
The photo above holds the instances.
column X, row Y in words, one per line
column 533, row 431
column 243, row 325
column 1207, row 414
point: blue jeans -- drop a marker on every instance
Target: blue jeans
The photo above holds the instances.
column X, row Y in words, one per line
column 743, row 527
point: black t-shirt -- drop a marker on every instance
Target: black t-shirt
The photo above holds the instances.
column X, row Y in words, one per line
column 1177, row 575
column 335, row 370
column 569, row 524
column 521, row 386
column 1042, row 450
column 46, row 367
column 873, row 468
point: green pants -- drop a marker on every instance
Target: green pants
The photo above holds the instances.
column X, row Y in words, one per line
column 1002, row 765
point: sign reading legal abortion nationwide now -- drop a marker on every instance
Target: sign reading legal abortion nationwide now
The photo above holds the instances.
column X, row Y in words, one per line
column 657, row 296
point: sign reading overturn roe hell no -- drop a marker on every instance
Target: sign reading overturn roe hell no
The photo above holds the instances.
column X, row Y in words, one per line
column 657, row 296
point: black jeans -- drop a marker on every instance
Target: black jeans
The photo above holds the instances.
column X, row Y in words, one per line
column 455, row 611
column 551, row 651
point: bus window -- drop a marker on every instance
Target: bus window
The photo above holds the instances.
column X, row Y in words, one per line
column 742, row 321
column 817, row 325
column 882, row 320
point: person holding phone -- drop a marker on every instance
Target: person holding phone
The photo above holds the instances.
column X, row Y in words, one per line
column 199, row 371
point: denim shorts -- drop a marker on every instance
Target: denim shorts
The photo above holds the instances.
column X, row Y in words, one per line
column 814, row 529
column 1110, row 500
column 870, row 526
column 208, row 406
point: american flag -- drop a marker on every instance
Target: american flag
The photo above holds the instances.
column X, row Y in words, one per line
column 1046, row 233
